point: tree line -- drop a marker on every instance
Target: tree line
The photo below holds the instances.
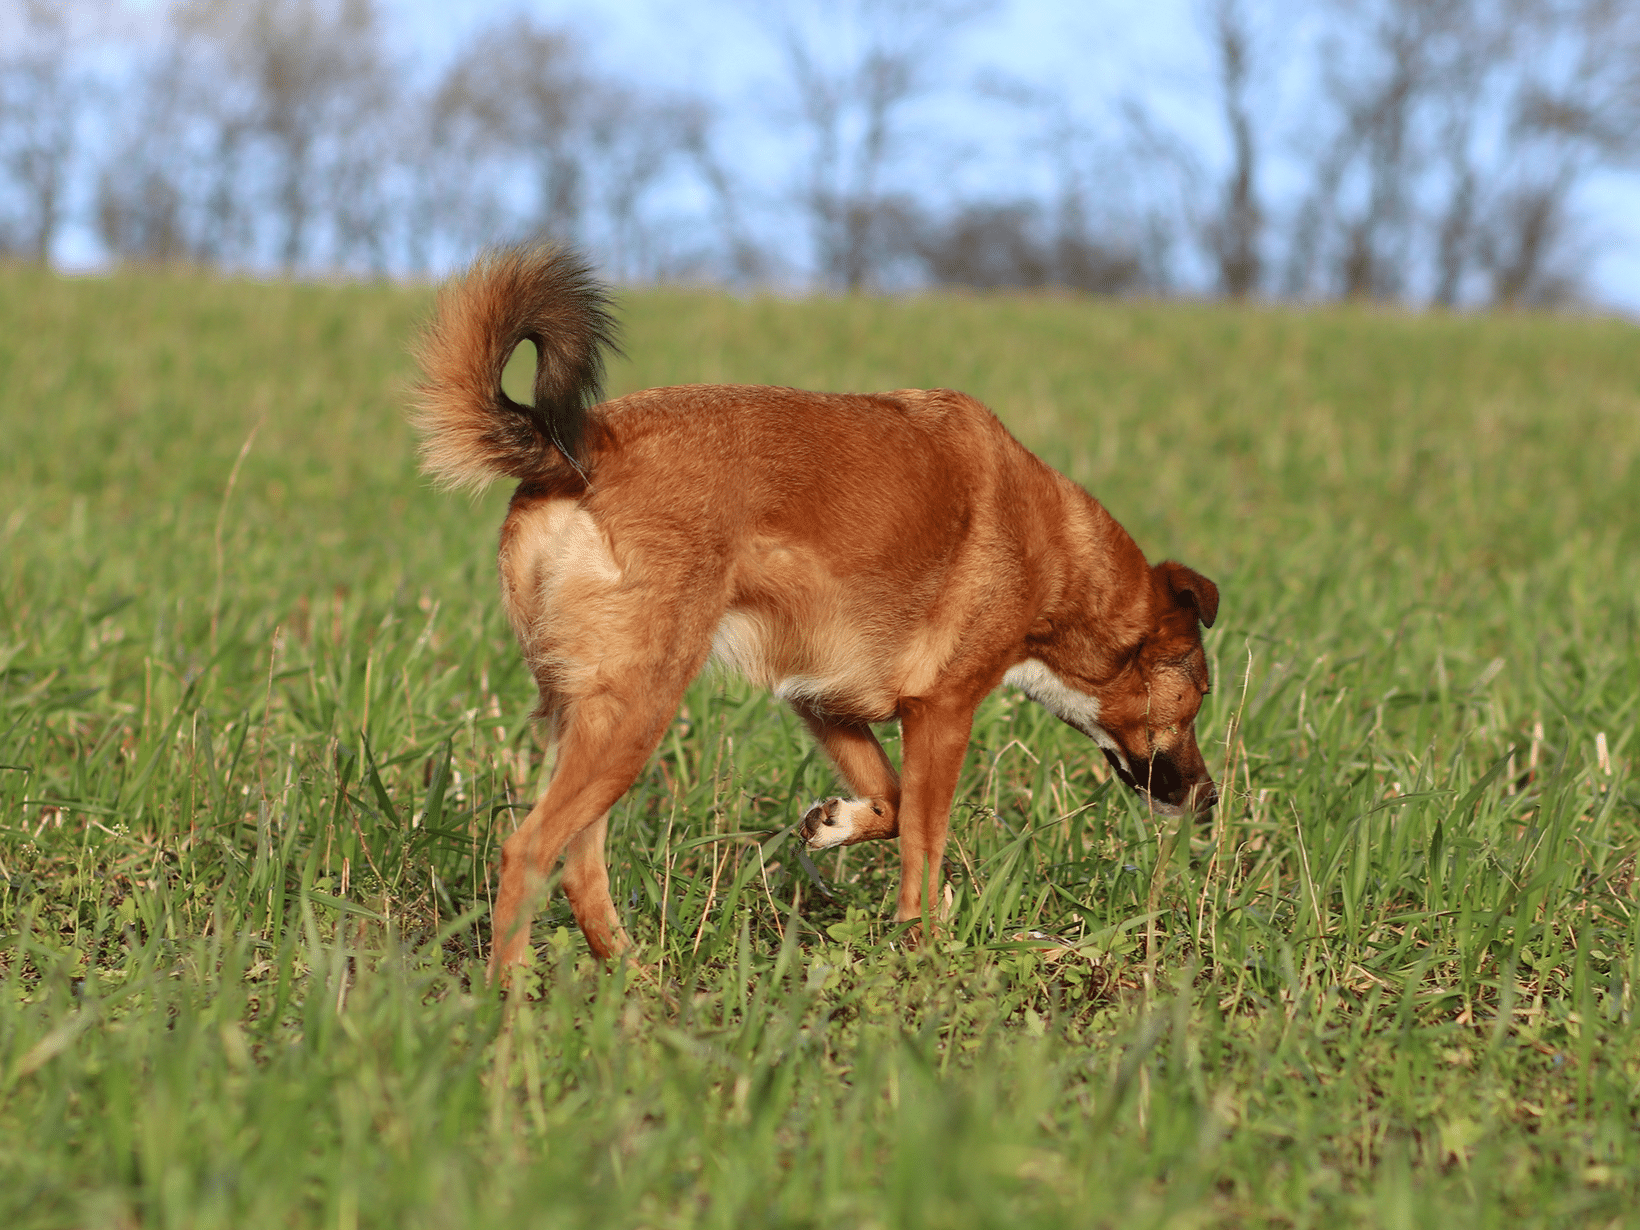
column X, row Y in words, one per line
column 1422, row 151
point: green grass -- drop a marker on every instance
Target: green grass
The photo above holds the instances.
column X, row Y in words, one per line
column 262, row 724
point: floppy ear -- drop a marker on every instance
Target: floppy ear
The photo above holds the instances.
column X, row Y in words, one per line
column 1190, row 588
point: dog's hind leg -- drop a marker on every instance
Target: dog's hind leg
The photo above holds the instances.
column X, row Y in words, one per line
column 604, row 741
column 586, row 885
column 860, row 758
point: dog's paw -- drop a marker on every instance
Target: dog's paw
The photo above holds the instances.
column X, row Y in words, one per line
column 841, row 822
column 826, row 824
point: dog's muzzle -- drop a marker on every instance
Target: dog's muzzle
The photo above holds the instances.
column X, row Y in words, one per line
column 1165, row 789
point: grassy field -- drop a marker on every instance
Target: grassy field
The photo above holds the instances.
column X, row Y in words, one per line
column 262, row 726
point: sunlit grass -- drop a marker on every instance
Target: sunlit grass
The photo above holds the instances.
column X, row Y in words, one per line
column 262, row 725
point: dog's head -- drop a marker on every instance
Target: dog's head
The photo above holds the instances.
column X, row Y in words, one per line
column 1149, row 709
column 1140, row 703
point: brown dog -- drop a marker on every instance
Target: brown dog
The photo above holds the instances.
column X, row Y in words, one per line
column 866, row 556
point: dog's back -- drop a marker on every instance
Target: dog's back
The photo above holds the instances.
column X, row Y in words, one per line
column 832, row 547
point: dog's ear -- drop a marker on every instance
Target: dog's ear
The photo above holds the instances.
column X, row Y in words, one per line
column 1190, row 588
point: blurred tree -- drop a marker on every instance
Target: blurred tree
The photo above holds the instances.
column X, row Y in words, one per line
column 1234, row 231
column 854, row 65
column 42, row 96
column 1572, row 105
column 1431, row 150
column 260, row 130
column 1016, row 246
column 1453, row 137
column 526, row 141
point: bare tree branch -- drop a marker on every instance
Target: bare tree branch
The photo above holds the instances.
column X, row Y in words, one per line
column 41, row 99
column 1235, row 233
column 853, row 66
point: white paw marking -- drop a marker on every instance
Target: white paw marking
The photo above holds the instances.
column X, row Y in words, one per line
column 833, row 822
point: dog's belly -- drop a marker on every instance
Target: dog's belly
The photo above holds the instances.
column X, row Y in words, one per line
column 833, row 666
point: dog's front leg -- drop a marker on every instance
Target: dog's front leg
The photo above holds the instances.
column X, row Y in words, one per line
column 854, row 750
column 934, row 735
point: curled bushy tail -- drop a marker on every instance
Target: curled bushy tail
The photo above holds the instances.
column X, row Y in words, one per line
column 471, row 430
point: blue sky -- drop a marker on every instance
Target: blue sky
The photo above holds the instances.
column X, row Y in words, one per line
column 1092, row 53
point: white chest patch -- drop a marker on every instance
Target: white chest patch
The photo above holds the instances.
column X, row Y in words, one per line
column 1047, row 689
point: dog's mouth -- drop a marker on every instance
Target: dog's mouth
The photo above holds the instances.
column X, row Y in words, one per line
column 1164, row 787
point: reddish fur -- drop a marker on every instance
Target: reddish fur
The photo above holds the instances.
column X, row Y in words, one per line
column 902, row 549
